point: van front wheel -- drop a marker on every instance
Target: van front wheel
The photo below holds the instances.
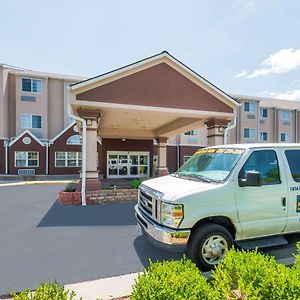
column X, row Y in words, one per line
column 208, row 245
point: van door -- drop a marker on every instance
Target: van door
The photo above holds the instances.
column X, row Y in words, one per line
column 261, row 209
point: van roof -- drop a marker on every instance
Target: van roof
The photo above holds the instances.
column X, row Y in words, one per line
column 259, row 145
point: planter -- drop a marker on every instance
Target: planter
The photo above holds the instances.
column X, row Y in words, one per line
column 69, row 198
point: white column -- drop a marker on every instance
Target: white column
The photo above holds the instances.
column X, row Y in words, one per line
column 215, row 131
column 91, row 150
column 162, row 169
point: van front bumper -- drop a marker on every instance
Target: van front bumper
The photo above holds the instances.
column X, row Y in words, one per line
column 161, row 236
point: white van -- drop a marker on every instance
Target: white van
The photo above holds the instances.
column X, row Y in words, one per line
column 248, row 194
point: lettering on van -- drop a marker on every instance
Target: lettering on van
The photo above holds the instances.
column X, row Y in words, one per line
column 298, row 204
column 221, row 150
column 294, row 188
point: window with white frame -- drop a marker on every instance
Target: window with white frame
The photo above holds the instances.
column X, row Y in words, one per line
column 31, row 121
column 68, row 159
column 249, row 133
column 263, row 136
column 26, row 159
column 263, row 113
column 285, row 115
column 31, row 85
column 249, row 106
column 285, row 137
column 74, row 140
column 191, row 132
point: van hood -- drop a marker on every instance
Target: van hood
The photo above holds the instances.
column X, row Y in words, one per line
column 171, row 186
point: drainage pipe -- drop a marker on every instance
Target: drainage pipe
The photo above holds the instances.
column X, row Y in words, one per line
column 6, row 157
column 227, row 129
column 83, row 147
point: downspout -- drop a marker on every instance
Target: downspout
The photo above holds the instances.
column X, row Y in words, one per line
column 6, row 157
column 83, row 147
column 296, row 126
column 47, row 157
column 227, row 129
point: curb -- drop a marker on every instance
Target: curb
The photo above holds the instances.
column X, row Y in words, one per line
column 36, row 182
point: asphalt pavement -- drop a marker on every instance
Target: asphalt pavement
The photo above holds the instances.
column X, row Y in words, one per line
column 41, row 240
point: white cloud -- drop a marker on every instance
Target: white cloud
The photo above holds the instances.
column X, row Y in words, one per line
column 288, row 95
column 242, row 74
column 282, row 61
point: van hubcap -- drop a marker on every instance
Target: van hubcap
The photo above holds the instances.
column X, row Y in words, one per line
column 213, row 249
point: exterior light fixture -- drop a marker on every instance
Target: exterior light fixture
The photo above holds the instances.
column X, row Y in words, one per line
column 89, row 122
column 221, row 129
column 123, row 140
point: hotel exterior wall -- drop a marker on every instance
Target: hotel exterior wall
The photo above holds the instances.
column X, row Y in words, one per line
column 118, row 145
column 39, row 106
column 33, row 146
column 60, row 145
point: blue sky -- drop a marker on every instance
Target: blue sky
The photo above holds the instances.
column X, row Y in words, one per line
column 249, row 47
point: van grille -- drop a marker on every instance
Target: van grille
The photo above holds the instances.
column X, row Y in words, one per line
column 148, row 204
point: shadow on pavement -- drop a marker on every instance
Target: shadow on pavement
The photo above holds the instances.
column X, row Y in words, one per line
column 145, row 251
column 91, row 215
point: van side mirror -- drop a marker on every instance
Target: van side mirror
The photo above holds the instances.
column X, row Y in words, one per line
column 253, row 178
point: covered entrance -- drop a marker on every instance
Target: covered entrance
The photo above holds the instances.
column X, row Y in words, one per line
column 127, row 164
column 150, row 100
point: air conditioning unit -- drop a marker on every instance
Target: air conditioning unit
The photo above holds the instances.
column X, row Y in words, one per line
column 26, row 172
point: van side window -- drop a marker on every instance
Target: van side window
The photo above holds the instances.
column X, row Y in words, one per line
column 265, row 162
column 293, row 158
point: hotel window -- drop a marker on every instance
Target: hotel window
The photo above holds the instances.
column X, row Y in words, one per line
column 74, row 140
column 249, row 133
column 249, row 106
column 31, row 85
column 26, row 159
column 263, row 113
column 285, row 115
column 31, row 121
column 285, row 137
column 191, row 132
column 68, row 159
column 264, row 136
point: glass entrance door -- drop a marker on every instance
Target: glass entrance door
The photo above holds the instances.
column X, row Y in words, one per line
column 127, row 164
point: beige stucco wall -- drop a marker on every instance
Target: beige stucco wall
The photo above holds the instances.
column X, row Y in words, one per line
column 4, row 103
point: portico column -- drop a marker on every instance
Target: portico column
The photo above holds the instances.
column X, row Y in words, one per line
column 162, row 169
column 215, row 131
column 92, row 174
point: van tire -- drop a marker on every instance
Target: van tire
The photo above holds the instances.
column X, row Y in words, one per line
column 208, row 244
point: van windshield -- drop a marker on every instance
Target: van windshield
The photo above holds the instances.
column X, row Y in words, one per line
column 211, row 164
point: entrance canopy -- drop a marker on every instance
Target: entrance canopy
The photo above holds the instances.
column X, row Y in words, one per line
column 156, row 97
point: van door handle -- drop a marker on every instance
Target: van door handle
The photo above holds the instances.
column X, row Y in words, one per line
column 283, row 201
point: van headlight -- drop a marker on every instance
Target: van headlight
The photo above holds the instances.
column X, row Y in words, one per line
column 171, row 214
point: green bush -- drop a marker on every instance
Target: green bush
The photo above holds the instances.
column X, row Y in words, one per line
column 46, row 291
column 251, row 275
column 297, row 257
column 135, row 184
column 172, row 280
column 71, row 187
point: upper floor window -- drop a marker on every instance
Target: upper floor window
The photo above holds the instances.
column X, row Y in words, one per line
column 285, row 137
column 191, row 132
column 249, row 106
column 285, row 115
column 263, row 113
column 249, row 133
column 31, row 85
column 74, row 140
column 264, row 136
column 31, row 121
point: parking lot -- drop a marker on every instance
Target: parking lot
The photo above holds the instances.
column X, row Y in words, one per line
column 41, row 240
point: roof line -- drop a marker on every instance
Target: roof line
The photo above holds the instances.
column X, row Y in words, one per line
column 23, row 133
column 62, row 132
column 118, row 69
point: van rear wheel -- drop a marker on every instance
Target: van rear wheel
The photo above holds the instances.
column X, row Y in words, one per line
column 208, row 245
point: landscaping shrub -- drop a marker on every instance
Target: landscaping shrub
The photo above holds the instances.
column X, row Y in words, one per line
column 135, row 184
column 172, row 280
column 71, row 187
column 251, row 275
column 297, row 257
column 46, row 291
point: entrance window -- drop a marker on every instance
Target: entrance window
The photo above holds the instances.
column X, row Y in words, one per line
column 127, row 164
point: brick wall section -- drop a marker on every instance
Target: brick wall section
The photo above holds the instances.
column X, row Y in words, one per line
column 99, row 197
column 2, row 157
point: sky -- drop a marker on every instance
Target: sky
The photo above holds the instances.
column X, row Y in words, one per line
column 248, row 47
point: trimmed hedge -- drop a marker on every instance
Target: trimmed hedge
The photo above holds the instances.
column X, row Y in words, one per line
column 241, row 275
